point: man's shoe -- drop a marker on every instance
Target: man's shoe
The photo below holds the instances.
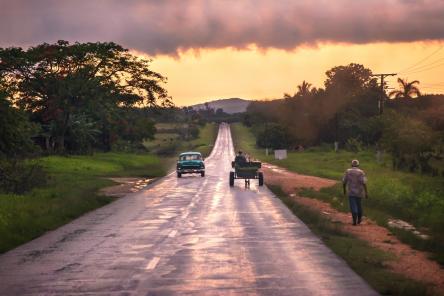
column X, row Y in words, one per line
column 359, row 220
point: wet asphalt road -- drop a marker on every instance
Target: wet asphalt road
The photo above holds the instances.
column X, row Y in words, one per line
column 183, row 236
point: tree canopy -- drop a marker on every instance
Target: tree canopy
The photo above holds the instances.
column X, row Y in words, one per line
column 15, row 130
column 346, row 112
column 62, row 83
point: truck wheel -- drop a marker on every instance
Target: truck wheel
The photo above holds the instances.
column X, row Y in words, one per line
column 231, row 179
column 179, row 175
column 261, row 179
column 202, row 174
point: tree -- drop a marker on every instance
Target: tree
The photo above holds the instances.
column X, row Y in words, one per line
column 304, row 89
column 15, row 130
column 55, row 81
column 408, row 90
column 219, row 112
column 82, row 132
column 409, row 140
column 136, row 126
column 349, row 80
column 272, row 136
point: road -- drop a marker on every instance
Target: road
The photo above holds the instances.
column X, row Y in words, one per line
column 188, row 236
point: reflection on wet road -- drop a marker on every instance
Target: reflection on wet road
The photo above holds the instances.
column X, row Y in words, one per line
column 183, row 236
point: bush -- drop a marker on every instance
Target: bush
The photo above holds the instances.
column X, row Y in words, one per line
column 16, row 131
column 354, row 145
column 194, row 131
column 410, row 141
column 272, row 136
column 128, row 147
column 168, row 149
column 17, row 176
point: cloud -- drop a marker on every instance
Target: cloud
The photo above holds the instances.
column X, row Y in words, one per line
column 167, row 27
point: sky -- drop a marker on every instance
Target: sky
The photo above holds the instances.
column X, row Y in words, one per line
column 253, row 49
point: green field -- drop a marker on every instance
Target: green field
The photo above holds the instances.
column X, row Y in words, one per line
column 168, row 143
column 415, row 198
column 71, row 190
column 204, row 144
column 74, row 182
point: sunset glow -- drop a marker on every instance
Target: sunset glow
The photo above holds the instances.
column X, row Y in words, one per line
column 197, row 76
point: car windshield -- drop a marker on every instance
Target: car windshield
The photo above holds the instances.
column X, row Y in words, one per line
column 190, row 157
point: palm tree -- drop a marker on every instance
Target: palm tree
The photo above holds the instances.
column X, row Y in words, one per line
column 408, row 90
column 304, row 89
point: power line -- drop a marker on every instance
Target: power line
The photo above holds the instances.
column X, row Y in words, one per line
column 423, row 66
column 382, row 96
column 427, row 69
column 422, row 60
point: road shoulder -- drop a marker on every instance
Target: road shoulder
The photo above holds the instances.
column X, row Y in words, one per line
column 409, row 263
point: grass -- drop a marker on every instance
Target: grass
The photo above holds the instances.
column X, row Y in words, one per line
column 207, row 136
column 164, row 143
column 71, row 190
column 73, row 185
column 365, row 260
column 168, row 143
column 414, row 198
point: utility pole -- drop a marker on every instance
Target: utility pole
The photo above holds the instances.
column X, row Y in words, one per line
column 382, row 98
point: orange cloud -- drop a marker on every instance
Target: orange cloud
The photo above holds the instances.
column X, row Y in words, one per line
column 169, row 26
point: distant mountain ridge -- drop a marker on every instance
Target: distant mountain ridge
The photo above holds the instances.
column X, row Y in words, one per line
column 230, row 106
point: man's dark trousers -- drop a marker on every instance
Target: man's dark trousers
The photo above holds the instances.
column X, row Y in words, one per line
column 355, row 208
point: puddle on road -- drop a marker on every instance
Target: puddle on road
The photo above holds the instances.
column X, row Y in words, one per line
column 126, row 186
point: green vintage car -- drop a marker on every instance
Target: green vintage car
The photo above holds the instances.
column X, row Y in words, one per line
column 190, row 163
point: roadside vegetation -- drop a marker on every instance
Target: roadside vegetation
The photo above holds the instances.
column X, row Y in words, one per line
column 398, row 138
column 412, row 197
column 170, row 139
column 70, row 189
column 207, row 137
column 62, row 188
column 367, row 261
column 73, row 115
column 353, row 113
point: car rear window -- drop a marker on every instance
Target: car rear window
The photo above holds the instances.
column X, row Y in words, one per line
column 190, row 157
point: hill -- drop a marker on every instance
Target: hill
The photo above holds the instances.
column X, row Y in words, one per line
column 230, row 106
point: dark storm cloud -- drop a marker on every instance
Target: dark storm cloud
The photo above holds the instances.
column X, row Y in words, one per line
column 168, row 26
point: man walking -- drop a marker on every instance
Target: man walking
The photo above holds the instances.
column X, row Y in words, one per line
column 355, row 182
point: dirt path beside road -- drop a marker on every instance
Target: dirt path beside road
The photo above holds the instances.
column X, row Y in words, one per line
column 410, row 263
